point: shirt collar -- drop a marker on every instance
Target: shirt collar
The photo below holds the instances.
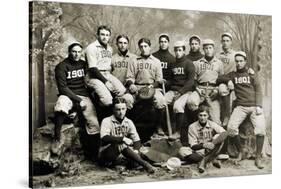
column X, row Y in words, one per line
column 205, row 61
column 140, row 57
column 230, row 51
column 114, row 120
column 201, row 127
column 127, row 55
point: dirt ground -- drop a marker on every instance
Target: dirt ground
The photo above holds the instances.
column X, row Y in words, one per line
column 91, row 174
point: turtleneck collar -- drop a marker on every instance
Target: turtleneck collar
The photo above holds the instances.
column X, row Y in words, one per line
column 181, row 59
column 197, row 53
column 123, row 53
column 145, row 56
column 164, row 51
column 242, row 70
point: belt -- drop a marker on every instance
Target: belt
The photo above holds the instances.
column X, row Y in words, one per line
column 208, row 84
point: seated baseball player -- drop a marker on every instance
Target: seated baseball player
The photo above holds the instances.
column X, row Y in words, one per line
column 181, row 85
column 73, row 93
column 205, row 138
column 119, row 136
column 207, row 70
column 99, row 77
column 248, row 103
column 146, row 73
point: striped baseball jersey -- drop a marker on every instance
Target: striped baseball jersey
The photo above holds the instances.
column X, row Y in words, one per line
column 208, row 71
column 98, row 56
column 227, row 58
column 145, row 70
column 198, row 134
column 120, row 65
column 112, row 127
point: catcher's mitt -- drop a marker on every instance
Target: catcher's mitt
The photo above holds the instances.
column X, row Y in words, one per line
column 146, row 93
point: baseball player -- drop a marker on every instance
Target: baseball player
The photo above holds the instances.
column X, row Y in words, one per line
column 119, row 136
column 146, row 71
column 163, row 54
column 181, row 85
column 207, row 70
column 205, row 139
column 194, row 44
column 99, row 77
column 73, row 93
column 122, row 58
column 248, row 102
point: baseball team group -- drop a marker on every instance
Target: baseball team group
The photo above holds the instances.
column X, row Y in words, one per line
column 209, row 93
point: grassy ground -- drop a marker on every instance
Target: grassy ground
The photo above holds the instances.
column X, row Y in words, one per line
column 91, row 174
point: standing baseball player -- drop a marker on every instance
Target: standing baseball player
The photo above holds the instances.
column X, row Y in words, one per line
column 164, row 55
column 146, row 71
column 205, row 139
column 73, row 93
column 207, row 70
column 99, row 77
column 181, row 85
column 248, row 103
column 194, row 44
column 119, row 136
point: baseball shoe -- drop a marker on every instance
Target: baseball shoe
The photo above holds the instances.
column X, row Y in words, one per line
column 160, row 131
column 258, row 162
column 201, row 166
column 217, row 163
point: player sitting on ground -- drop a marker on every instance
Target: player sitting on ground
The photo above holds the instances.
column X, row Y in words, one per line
column 119, row 136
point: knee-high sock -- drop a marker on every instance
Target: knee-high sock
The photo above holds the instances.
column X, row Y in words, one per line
column 259, row 144
column 59, row 119
column 179, row 121
column 236, row 141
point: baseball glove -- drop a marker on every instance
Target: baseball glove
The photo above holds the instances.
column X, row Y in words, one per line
column 146, row 93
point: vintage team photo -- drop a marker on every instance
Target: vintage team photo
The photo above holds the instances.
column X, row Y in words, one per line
column 129, row 94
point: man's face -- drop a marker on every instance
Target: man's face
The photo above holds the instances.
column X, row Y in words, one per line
column 240, row 62
column 226, row 42
column 144, row 48
column 203, row 117
column 120, row 110
column 209, row 50
column 104, row 36
column 76, row 53
column 179, row 52
column 163, row 43
column 122, row 44
column 194, row 45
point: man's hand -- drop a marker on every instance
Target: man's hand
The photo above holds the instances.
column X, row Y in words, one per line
column 214, row 94
column 209, row 145
column 82, row 104
column 251, row 71
column 162, row 81
column 200, row 91
column 133, row 89
column 258, row 110
column 230, row 85
column 127, row 141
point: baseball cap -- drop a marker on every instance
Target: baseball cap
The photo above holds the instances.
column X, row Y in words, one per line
column 194, row 37
column 179, row 44
column 227, row 34
column 173, row 163
column 208, row 42
column 241, row 53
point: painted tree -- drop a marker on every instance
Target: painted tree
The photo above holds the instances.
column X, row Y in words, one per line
column 44, row 27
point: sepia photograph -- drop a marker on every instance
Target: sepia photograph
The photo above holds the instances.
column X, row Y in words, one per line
column 121, row 94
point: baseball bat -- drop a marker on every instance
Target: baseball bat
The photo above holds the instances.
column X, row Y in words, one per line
column 168, row 119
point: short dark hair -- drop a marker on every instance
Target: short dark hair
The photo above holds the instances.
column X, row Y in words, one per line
column 194, row 38
column 204, row 108
column 144, row 40
column 122, row 36
column 165, row 36
column 103, row 27
column 70, row 47
column 118, row 100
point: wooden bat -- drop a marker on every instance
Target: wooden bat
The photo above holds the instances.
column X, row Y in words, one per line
column 168, row 119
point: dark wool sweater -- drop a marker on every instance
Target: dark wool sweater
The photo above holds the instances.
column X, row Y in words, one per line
column 70, row 78
column 166, row 59
column 246, row 86
column 182, row 75
column 194, row 56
